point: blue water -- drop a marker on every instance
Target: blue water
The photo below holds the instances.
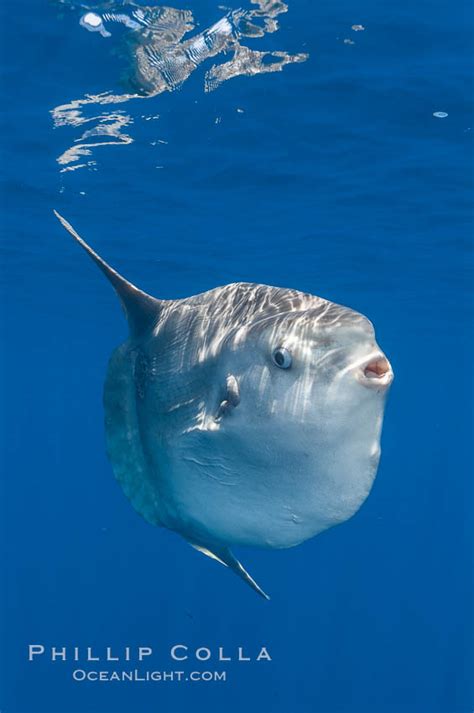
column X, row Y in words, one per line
column 334, row 178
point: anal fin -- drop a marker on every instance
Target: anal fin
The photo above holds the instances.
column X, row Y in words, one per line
column 225, row 557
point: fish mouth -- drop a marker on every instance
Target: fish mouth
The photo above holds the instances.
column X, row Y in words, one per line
column 376, row 372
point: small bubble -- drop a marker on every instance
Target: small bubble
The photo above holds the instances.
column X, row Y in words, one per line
column 358, row 28
column 92, row 19
column 440, row 114
column 347, row 41
column 92, row 22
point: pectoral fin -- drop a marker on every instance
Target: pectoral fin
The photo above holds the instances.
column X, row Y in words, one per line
column 225, row 557
column 232, row 397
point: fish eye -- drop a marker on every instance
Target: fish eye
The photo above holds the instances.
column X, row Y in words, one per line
column 282, row 358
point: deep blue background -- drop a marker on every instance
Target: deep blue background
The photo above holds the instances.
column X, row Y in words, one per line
column 337, row 180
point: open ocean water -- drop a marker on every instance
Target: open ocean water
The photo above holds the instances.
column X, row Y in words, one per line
column 332, row 176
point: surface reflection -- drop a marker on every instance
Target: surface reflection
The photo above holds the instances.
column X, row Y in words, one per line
column 160, row 59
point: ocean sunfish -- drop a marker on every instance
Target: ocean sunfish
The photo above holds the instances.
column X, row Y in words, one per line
column 246, row 415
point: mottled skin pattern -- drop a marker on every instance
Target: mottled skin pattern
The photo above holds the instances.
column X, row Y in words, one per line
column 211, row 438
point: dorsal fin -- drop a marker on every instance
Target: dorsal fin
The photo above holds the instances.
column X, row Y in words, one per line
column 142, row 310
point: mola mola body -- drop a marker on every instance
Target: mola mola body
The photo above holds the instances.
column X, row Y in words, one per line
column 246, row 415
